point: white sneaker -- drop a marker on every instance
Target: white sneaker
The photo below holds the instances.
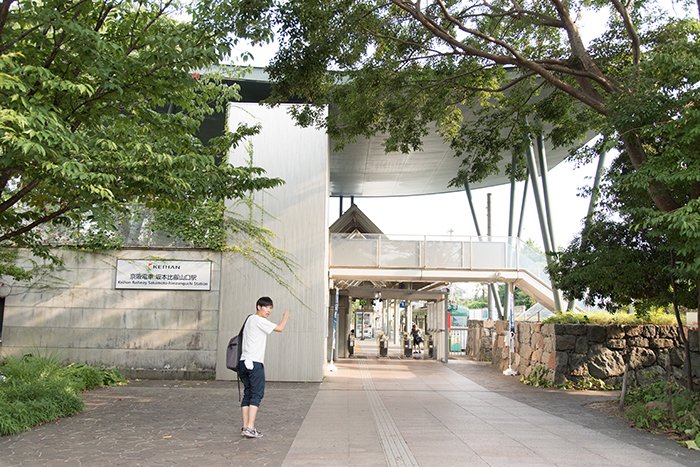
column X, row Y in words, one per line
column 252, row 433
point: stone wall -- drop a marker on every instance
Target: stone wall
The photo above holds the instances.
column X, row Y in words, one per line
column 480, row 336
column 572, row 351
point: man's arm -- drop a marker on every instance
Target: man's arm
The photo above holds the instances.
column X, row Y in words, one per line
column 283, row 323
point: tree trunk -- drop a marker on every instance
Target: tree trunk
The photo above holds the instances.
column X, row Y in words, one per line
column 658, row 193
column 684, row 338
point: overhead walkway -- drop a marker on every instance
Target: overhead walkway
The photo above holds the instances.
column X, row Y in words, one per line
column 379, row 257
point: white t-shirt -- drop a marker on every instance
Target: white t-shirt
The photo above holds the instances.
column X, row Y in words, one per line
column 255, row 339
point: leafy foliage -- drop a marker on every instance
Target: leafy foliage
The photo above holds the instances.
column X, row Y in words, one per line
column 36, row 390
column 101, row 104
column 541, row 377
column 486, row 75
column 646, row 407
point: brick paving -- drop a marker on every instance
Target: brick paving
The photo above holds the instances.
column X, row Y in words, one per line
column 369, row 412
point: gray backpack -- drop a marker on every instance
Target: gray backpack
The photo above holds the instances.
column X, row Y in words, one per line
column 235, row 349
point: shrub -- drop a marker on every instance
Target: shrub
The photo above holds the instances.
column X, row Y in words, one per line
column 657, row 317
column 646, row 408
column 36, row 390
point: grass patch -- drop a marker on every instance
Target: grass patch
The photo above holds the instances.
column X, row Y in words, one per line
column 656, row 317
column 646, row 407
column 35, row 390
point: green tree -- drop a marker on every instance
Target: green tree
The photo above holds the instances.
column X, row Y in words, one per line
column 521, row 68
column 101, row 104
column 520, row 298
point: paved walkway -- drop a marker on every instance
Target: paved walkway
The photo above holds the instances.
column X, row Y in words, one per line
column 368, row 413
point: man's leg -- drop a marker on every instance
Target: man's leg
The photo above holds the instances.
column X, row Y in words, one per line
column 257, row 390
column 252, row 412
column 245, row 402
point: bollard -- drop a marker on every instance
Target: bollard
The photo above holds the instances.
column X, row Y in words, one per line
column 383, row 346
column 407, row 349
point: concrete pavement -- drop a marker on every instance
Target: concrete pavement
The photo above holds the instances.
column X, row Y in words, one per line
column 368, row 412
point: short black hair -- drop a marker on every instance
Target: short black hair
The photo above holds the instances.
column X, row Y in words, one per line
column 263, row 301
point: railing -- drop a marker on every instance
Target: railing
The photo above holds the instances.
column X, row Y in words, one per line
column 436, row 252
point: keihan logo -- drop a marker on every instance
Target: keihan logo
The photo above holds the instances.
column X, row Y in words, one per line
column 149, row 267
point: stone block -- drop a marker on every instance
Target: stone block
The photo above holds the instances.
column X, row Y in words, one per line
column 547, row 329
column 649, row 331
column 561, row 361
column 549, row 359
column 538, row 341
column 616, row 344
column 693, row 340
column 638, row 342
column 597, row 333
column 581, row 344
column 578, row 329
column 615, row 331
column 501, row 326
column 670, row 332
column 650, row 375
column 659, row 343
column 633, row 330
column 641, row 357
column 677, row 356
column 549, row 344
column 536, row 356
column 565, row 342
column 578, row 364
column 604, row 363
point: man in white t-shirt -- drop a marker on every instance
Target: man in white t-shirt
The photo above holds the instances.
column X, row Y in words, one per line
column 252, row 369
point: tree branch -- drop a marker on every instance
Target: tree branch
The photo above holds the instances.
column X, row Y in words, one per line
column 4, row 12
column 12, row 200
column 631, row 30
column 516, row 59
column 41, row 220
column 29, row 31
column 659, row 194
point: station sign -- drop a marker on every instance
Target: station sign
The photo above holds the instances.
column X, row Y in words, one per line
column 163, row 274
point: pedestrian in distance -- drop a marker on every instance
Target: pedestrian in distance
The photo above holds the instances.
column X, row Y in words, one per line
column 252, row 368
column 417, row 339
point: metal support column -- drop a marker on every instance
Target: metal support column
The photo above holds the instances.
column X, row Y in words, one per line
column 545, row 190
column 532, row 167
column 492, row 287
column 447, row 331
column 522, row 205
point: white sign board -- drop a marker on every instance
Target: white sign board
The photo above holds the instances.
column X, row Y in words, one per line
column 163, row 275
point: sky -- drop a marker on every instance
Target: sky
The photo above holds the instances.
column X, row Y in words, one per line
column 449, row 213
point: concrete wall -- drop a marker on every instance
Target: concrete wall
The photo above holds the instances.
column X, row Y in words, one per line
column 297, row 213
column 77, row 314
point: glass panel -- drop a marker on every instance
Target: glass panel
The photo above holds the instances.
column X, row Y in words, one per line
column 443, row 254
column 353, row 252
column 399, row 254
column 488, row 255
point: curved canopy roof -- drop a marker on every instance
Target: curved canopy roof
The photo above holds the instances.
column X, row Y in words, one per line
column 364, row 169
